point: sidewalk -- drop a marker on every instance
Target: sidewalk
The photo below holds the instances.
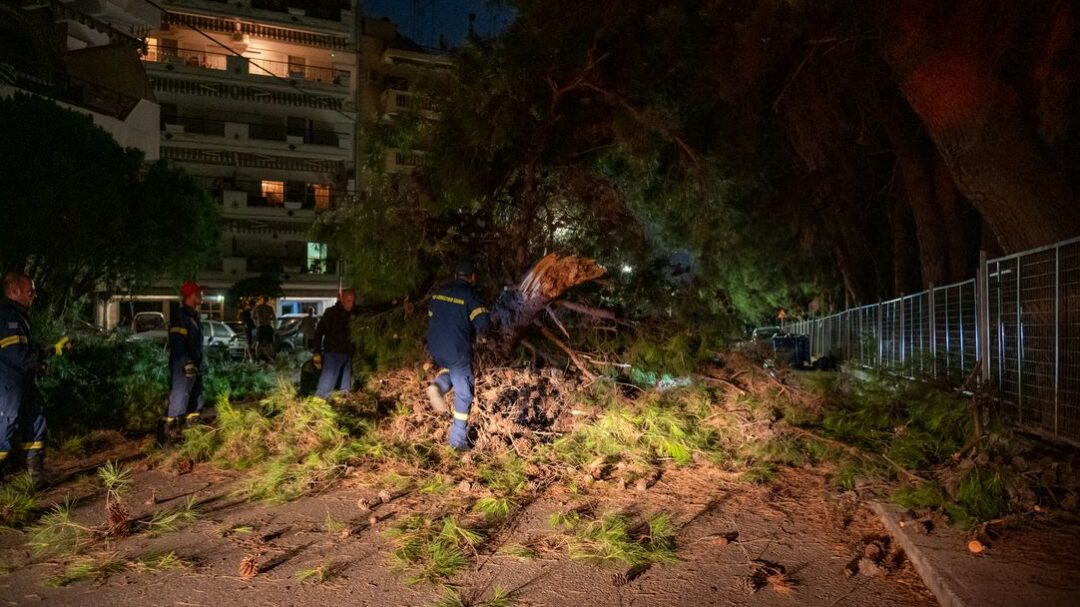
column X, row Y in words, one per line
column 1036, row 567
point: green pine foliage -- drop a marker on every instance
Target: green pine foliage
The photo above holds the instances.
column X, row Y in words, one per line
column 613, row 541
column 109, row 383
column 432, row 551
column 290, row 444
column 18, row 501
column 665, row 426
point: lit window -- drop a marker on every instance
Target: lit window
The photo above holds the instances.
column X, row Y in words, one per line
column 316, row 258
column 322, row 196
column 274, row 192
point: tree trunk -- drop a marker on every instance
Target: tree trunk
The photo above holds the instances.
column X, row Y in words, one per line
column 944, row 65
column 919, row 187
column 905, row 267
column 952, row 218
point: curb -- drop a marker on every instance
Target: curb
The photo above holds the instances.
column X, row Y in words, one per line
column 943, row 587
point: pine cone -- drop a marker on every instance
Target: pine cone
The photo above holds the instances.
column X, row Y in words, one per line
column 249, row 566
column 118, row 523
column 748, row 583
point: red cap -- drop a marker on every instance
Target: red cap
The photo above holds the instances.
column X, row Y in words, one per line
column 191, row 287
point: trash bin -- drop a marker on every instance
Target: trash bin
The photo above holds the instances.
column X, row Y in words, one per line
column 794, row 348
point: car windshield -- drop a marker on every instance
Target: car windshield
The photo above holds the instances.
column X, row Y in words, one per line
column 287, row 324
column 148, row 323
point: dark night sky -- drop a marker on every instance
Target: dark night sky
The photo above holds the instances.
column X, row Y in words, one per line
column 424, row 20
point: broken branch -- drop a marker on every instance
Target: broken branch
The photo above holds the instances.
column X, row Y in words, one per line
column 580, row 364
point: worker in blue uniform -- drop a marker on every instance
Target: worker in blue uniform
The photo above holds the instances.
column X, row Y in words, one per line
column 21, row 412
column 456, row 318
column 186, row 366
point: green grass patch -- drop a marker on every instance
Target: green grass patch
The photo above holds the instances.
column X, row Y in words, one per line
column 432, row 551
column 519, row 551
column 57, row 533
column 612, row 541
column 18, row 501
column 101, row 566
column 290, row 445
column 325, row 572
column 665, row 427
column 168, row 521
column 980, row 493
column 96, row 567
column 452, row 598
column 437, row 484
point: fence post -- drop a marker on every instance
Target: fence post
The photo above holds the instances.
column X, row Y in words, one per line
column 880, row 335
column 1057, row 332
column 1019, row 351
column 903, row 332
column 933, row 332
column 982, row 315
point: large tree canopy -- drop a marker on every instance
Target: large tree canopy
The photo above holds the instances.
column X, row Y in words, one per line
column 736, row 155
column 81, row 213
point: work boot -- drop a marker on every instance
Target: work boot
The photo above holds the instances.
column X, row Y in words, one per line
column 169, row 432
column 436, row 399
column 35, row 467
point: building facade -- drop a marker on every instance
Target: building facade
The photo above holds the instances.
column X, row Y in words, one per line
column 259, row 102
column 84, row 55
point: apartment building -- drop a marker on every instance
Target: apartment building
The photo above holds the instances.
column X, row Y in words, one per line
column 259, row 102
column 84, row 55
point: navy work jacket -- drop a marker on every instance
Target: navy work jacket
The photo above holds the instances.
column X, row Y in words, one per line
column 18, row 355
column 185, row 338
column 456, row 317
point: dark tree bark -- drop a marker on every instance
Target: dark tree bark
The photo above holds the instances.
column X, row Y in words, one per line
column 918, row 180
column 944, row 63
column 951, row 207
column 905, row 250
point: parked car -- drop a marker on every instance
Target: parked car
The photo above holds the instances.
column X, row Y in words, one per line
column 765, row 333
column 217, row 336
column 148, row 321
column 147, row 326
column 237, row 346
column 288, row 334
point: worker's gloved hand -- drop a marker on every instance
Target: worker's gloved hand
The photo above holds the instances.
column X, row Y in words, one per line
column 64, row 345
column 317, row 361
column 190, row 370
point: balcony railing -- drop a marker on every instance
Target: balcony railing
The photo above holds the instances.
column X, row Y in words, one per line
column 256, row 30
column 244, row 159
column 306, row 195
column 157, row 53
column 262, row 132
column 277, row 265
column 243, row 92
column 69, row 89
column 395, row 101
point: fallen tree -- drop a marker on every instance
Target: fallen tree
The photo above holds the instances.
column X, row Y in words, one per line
column 536, row 298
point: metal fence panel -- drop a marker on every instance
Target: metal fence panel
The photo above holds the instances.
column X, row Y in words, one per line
column 1037, row 308
column 1004, row 301
column 1030, row 336
column 1067, row 378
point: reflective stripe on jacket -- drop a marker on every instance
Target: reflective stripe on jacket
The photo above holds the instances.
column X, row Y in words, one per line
column 18, row 354
column 456, row 315
column 185, row 338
